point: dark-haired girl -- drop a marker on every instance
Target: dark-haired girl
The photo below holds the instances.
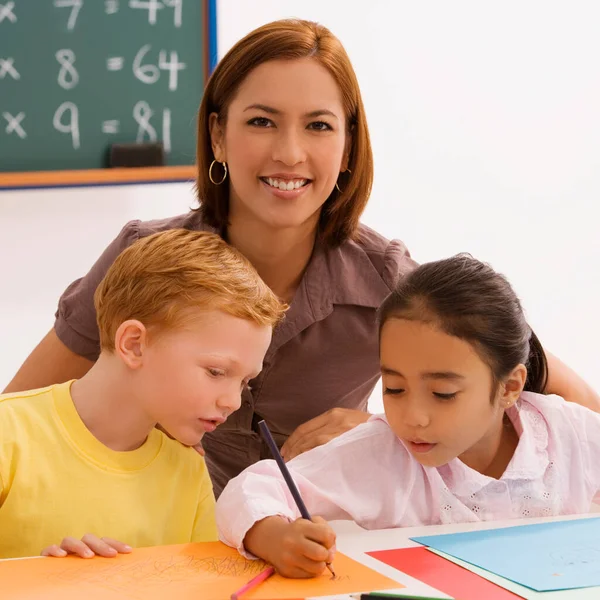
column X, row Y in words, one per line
column 467, row 434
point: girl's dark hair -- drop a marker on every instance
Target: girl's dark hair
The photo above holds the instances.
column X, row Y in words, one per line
column 469, row 300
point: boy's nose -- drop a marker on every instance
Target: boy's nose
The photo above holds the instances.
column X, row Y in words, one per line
column 230, row 402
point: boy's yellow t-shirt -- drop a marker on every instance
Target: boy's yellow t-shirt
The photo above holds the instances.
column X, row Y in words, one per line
column 58, row 480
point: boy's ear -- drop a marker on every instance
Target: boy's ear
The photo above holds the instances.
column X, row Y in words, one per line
column 512, row 386
column 131, row 340
column 217, row 137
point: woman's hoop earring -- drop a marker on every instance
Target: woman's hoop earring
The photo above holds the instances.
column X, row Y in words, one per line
column 337, row 187
column 212, row 164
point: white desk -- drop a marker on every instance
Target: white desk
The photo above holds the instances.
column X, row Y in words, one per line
column 356, row 542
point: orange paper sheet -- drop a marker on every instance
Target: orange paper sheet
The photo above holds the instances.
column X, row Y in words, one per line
column 209, row 571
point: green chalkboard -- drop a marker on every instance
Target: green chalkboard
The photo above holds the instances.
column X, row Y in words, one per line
column 79, row 75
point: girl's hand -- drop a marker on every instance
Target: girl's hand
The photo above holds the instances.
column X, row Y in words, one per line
column 88, row 547
column 321, row 429
column 300, row 549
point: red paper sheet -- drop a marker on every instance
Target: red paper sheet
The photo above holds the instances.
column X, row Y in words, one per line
column 442, row 574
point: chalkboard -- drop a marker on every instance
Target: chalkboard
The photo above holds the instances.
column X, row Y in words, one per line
column 79, row 75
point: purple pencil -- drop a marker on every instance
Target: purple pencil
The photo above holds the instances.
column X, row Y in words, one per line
column 263, row 576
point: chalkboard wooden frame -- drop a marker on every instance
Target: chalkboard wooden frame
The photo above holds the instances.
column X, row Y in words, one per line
column 88, row 177
column 121, row 176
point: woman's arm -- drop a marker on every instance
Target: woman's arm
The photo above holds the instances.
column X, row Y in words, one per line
column 50, row 362
column 564, row 382
column 322, row 429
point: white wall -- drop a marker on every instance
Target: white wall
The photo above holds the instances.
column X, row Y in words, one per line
column 48, row 238
column 486, row 135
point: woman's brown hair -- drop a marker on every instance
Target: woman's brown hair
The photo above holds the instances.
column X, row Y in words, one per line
column 287, row 40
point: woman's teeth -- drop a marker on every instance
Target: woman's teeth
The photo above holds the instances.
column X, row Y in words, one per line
column 284, row 185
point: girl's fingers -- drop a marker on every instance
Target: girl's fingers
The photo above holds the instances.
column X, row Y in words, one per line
column 305, row 567
column 314, row 552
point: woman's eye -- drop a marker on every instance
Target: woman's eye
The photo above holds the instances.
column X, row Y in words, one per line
column 320, row 126
column 260, row 122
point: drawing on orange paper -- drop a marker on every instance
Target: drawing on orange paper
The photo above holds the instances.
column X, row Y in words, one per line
column 182, row 572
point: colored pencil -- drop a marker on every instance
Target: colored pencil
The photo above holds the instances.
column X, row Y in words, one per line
column 286, row 475
column 399, row 596
column 263, row 576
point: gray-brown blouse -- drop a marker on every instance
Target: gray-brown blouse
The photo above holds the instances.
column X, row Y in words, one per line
column 324, row 354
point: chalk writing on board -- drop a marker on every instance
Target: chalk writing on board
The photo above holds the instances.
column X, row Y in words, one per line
column 7, row 67
column 166, row 129
column 110, row 126
column 101, row 74
column 176, row 5
column 154, row 6
column 14, row 124
column 172, row 65
column 145, row 73
column 142, row 113
column 111, row 7
column 149, row 73
column 68, row 77
column 72, row 126
column 7, row 11
column 75, row 6
column 115, row 63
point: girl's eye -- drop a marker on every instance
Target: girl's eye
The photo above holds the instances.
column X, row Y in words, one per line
column 216, row 372
column 445, row 396
column 392, row 391
column 260, row 122
column 320, row 126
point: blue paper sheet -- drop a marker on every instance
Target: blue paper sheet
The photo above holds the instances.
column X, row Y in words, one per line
column 544, row 557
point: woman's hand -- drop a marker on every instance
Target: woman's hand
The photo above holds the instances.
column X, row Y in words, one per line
column 321, row 429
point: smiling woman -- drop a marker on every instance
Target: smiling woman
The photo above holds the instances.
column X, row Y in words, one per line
column 285, row 170
column 283, row 160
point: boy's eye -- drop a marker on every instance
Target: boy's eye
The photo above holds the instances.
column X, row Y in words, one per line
column 441, row 396
column 260, row 122
column 392, row 391
column 320, row 126
column 216, row 372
